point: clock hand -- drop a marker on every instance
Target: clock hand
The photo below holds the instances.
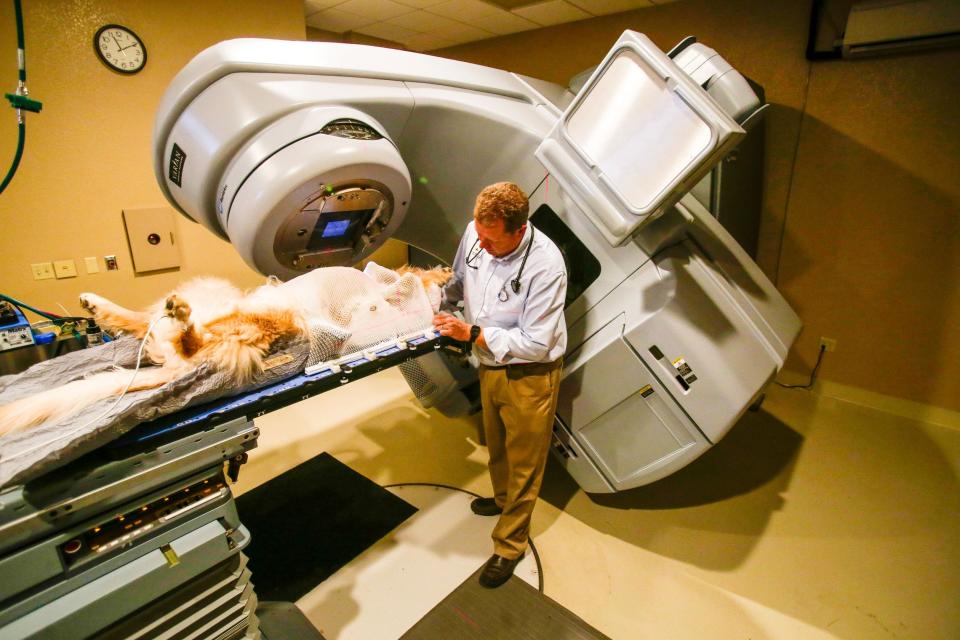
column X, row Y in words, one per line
column 119, row 48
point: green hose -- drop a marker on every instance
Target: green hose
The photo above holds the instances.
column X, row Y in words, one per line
column 19, row 100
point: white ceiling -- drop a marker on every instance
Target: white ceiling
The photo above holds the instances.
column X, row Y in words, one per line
column 423, row 25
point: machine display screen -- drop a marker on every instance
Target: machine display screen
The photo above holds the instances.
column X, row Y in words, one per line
column 339, row 229
column 335, row 229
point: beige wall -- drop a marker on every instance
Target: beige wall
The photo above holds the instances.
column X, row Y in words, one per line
column 862, row 189
column 88, row 154
column 871, row 252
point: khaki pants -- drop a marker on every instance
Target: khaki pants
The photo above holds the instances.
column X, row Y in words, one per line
column 518, row 407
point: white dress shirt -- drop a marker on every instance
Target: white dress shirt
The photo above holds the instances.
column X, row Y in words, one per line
column 527, row 326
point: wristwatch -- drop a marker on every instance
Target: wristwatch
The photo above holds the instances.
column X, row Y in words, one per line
column 474, row 333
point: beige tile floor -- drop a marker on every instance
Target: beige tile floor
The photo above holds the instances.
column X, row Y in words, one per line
column 813, row 518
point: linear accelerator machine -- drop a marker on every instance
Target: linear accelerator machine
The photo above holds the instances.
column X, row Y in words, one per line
column 305, row 155
column 302, row 154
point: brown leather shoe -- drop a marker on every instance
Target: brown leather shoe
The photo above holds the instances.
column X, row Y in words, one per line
column 485, row 507
column 498, row 570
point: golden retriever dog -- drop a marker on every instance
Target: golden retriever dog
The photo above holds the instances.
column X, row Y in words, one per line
column 208, row 320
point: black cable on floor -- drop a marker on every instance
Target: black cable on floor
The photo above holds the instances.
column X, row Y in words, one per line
column 533, row 548
column 813, row 374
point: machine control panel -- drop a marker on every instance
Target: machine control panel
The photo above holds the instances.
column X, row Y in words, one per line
column 14, row 328
column 122, row 529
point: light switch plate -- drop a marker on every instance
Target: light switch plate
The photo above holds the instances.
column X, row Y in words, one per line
column 92, row 266
column 151, row 234
column 65, row 268
column 42, row 270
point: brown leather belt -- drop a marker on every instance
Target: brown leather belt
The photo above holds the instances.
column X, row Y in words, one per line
column 527, row 367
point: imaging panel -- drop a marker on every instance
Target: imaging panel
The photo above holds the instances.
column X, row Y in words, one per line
column 637, row 137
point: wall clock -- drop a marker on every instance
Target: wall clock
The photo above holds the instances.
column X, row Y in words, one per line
column 120, row 48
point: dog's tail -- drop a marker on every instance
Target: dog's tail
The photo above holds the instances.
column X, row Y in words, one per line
column 74, row 396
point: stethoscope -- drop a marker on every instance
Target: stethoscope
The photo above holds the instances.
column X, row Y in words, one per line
column 474, row 254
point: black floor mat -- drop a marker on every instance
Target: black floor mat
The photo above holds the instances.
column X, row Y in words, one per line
column 512, row 611
column 312, row 520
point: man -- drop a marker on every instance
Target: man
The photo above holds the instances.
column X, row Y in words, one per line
column 512, row 281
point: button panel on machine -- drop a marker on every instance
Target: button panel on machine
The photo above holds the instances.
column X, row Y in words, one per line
column 121, row 530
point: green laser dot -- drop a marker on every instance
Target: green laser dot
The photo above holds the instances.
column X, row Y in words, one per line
column 422, row 180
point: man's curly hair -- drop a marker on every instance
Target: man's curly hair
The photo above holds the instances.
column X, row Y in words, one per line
column 502, row 201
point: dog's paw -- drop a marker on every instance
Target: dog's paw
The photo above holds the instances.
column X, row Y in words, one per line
column 177, row 309
column 90, row 301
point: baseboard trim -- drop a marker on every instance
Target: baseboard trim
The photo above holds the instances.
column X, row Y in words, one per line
column 888, row 404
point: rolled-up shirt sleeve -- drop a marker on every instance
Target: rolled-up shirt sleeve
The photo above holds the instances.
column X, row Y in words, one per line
column 537, row 329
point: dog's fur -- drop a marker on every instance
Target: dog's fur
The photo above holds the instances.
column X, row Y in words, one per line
column 208, row 320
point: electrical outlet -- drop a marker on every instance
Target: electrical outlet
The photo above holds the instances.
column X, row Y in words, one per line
column 828, row 344
column 65, row 268
column 111, row 262
column 42, row 270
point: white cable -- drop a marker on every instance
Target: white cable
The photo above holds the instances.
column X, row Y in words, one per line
column 108, row 409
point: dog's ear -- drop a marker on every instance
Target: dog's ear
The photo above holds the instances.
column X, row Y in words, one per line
column 402, row 289
column 382, row 275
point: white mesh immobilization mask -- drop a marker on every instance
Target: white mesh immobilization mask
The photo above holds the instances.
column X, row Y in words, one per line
column 350, row 310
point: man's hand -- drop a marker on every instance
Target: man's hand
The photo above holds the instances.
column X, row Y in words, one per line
column 448, row 325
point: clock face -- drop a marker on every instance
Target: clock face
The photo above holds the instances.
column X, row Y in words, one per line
column 120, row 48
